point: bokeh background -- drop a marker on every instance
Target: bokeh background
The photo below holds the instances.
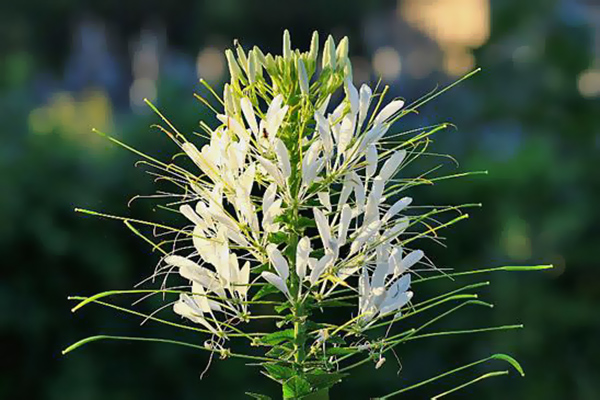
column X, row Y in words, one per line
column 531, row 118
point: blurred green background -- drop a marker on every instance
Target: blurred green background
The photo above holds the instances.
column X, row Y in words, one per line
column 532, row 118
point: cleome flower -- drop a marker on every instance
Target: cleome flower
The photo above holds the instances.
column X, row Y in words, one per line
column 293, row 153
column 297, row 194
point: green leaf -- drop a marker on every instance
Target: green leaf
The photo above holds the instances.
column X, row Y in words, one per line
column 340, row 351
column 305, row 222
column 278, row 337
column 258, row 396
column 324, row 380
column 279, row 372
column 278, row 352
column 278, row 238
column 262, row 267
column 286, row 320
column 336, row 340
column 335, row 303
column 283, row 307
column 511, row 361
column 266, row 290
column 295, row 388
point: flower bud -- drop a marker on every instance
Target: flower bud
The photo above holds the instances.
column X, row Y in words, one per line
column 234, row 68
column 329, row 53
column 287, row 45
column 302, row 77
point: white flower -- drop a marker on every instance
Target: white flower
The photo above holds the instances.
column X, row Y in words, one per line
column 302, row 254
column 275, row 115
column 379, row 295
column 282, row 268
column 241, row 198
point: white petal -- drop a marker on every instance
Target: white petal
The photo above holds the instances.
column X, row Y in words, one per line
column 372, row 136
column 388, row 111
column 318, row 270
column 274, row 107
column 359, row 192
column 283, row 158
column 379, row 275
column 269, row 196
column 323, row 107
column 205, row 166
column 371, row 158
column 393, row 232
column 275, row 116
column 324, row 132
column 272, row 170
column 302, row 253
column 243, row 279
column 325, row 200
column 246, row 180
column 346, row 132
column 394, row 259
column 346, row 190
column 394, row 303
column 372, row 208
column 249, row 114
column 309, row 169
column 323, row 227
column 345, row 218
column 364, row 101
column 181, row 262
column 190, row 214
column 392, row 164
column 234, row 126
column 193, row 314
column 269, row 216
column 396, row 208
column 352, row 96
column 366, row 232
column 407, row 262
column 276, row 281
column 279, row 262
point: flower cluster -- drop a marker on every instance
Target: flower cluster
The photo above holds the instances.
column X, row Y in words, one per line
column 300, row 157
column 298, row 196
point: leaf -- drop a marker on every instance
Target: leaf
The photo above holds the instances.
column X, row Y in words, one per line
column 286, row 320
column 324, row 380
column 335, row 303
column 266, row 290
column 279, row 372
column 296, row 387
column 283, row 307
column 262, row 267
column 278, row 238
column 336, row 340
column 278, row 337
column 340, row 351
column 258, row 396
column 305, row 222
column 278, row 352
column 511, row 361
